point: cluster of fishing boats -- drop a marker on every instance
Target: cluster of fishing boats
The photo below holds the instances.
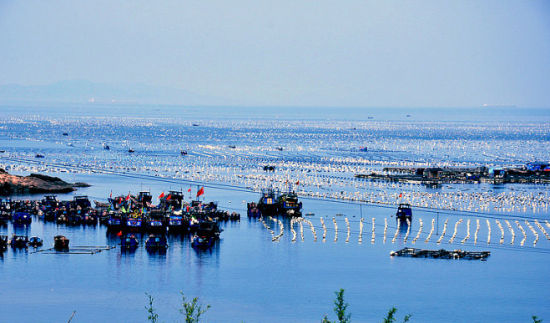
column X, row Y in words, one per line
column 273, row 202
column 128, row 215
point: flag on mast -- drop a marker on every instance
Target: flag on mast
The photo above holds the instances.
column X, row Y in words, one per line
column 200, row 192
column 161, row 195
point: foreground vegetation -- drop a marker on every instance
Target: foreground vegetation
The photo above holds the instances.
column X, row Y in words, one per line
column 193, row 310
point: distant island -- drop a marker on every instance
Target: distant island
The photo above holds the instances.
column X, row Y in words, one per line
column 34, row 184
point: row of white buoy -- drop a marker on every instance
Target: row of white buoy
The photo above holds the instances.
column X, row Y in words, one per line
column 301, row 221
column 443, row 232
column 419, row 231
column 360, row 240
column 535, row 233
column 281, row 229
column 431, row 231
column 511, row 232
column 396, row 230
column 373, row 236
column 455, row 231
column 542, row 229
column 522, row 231
column 501, row 231
column 467, row 232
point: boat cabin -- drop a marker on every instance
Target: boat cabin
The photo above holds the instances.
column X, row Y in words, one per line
column 404, row 212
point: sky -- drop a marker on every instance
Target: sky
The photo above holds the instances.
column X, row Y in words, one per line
column 289, row 53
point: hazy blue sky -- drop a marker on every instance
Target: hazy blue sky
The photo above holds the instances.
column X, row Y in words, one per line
column 337, row 53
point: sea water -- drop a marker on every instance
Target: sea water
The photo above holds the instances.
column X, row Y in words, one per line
column 248, row 277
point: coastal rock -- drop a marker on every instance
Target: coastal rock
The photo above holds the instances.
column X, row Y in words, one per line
column 34, row 184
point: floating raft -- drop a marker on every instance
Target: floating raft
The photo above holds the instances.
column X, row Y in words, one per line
column 77, row 250
column 441, row 254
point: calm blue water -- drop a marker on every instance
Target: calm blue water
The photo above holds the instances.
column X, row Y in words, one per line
column 247, row 277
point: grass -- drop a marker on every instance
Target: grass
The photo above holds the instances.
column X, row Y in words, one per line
column 193, row 310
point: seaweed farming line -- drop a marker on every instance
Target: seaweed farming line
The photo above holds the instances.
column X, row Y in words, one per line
column 463, row 240
column 223, row 186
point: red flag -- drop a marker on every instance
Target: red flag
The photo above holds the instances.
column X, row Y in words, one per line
column 119, row 233
column 189, row 190
column 161, row 195
column 400, row 195
column 169, row 197
column 200, row 192
column 298, row 183
column 128, row 197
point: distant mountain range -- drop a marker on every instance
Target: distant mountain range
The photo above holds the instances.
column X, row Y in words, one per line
column 81, row 91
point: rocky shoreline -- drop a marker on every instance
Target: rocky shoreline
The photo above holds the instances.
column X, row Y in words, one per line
column 34, row 184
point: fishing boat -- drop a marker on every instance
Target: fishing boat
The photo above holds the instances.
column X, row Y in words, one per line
column 207, row 233
column 60, row 243
column 129, row 242
column 404, row 212
column 114, row 222
column 3, row 243
column 19, row 242
column 253, row 210
column 145, row 198
column 81, row 201
column 202, row 242
column 156, row 243
column 288, row 204
column 35, row 242
column 22, row 218
column 155, row 221
column 174, row 200
column 268, row 202
column 50, row 202
column 176, row 222
column 134, row 222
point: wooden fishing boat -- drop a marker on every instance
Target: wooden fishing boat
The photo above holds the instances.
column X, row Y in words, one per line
column 129, row 242
column 60, row 243
column 404, row 212
column 3, row 243
column 288, row 204
column 156, row 243
column 22, row 218
column 35, row 242
column 19, row 242
column 155, row 221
